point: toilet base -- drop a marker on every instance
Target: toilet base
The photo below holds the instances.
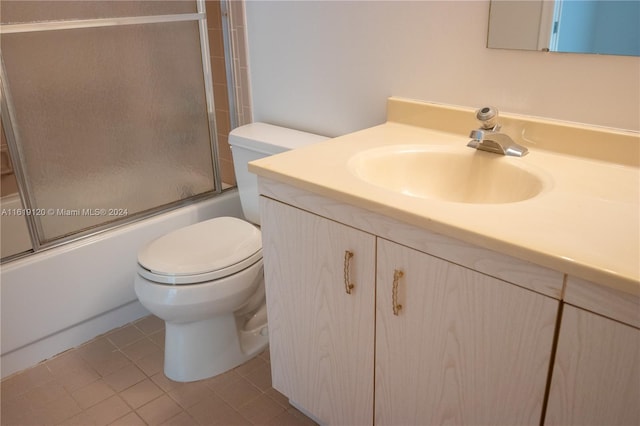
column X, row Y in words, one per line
column 202, row 349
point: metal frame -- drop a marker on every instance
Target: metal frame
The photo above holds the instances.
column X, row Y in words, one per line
column 208, row 89
column 16, row 155
column 13, row 138
column 225, row 10
column 99, row 22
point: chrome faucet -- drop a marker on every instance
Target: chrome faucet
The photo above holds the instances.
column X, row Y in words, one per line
column 489, row 137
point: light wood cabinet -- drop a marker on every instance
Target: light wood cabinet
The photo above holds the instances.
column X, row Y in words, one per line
column 596, row 374
column 321, row 338
column 465, row 348
column 471, row 343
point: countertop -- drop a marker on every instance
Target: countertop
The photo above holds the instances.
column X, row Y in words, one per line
column 586, row 224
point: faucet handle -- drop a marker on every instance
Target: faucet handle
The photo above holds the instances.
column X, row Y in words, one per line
column 488, row 116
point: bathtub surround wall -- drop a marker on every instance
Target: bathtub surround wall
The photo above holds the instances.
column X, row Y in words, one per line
column 328, row 67
column 241, row 89
column 229, row 68
column 59, row 298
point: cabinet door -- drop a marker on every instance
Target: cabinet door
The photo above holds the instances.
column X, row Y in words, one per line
column 321, row 338
column 596, row 374
column 464, row 349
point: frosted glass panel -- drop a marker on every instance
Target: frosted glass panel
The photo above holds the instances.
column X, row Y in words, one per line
column 110, row 120
column 23, row 11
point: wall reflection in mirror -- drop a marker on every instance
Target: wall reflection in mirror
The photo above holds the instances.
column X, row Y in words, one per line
column 610, row 27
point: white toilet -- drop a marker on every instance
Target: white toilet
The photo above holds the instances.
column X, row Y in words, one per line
column 206, row 280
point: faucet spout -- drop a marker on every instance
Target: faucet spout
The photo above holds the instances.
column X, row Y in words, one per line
column 489, row 138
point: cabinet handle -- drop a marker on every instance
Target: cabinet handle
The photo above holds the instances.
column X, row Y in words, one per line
column 348, row 286
column 394, row 293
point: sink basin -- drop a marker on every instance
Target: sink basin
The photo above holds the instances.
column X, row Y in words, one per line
column 461, row 175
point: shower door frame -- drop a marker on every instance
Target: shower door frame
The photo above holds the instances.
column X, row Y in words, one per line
column 13, row 137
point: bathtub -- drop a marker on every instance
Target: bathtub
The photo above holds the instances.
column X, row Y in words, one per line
column 59, row 298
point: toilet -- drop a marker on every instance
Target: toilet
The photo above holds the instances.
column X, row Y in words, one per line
column 206, row 280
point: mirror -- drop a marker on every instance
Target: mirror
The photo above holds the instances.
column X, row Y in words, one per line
column 610, row 27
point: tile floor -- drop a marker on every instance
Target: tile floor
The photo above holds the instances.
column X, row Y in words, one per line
column 117, row 379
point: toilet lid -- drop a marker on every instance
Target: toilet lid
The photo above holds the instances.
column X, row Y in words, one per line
column 202, row 250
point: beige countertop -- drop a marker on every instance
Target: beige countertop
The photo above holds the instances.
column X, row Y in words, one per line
column 586, row 223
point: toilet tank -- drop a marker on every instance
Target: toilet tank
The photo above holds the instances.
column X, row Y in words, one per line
column 258, row 140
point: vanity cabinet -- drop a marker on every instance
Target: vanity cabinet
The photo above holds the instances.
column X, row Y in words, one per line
column 480, row 337
column 596, row 374
column 321, row 338
column 464, row 347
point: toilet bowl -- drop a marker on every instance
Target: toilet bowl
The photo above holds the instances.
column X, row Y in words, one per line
column 214, row 311
column 206, row 280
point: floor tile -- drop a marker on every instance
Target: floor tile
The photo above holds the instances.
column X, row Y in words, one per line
column 46, row 392
column 189, row 394
column 261, row 410
column 182, row 419
column 131, row 419
column 250, row 366
column 107, row 411
column 290, row 418
column 23, row 381
column 157, row 338
column 214, row 411
column 152, row 363
column 92, row 394
column 66, row 361
column 124, row 336
column 278, row 397
column 220, row 382
column 239, row 393
column 260, row 377
column 80, row 376
column 266, row 355
column 54, row 412
column 81, row 419
column 117, row 379
column 149, row 324
column 104, row 357
column 125, row 377
column 165, row 383
column 14, row 410
column 96, row 349
column 159, row 410
column 140, row 349
column 141, row 393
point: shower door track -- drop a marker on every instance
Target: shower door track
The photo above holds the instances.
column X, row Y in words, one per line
column 98, row 22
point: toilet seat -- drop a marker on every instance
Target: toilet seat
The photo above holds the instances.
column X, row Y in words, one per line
column 202, row 252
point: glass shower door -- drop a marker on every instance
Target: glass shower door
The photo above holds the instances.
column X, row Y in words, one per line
column 110, row 120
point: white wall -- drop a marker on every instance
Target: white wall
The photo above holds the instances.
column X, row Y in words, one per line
column 328, row 66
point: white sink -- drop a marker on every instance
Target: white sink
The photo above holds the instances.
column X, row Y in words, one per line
column 461, row 175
